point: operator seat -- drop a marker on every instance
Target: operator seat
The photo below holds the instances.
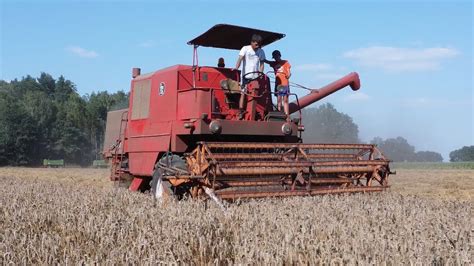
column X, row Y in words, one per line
column 232, row 92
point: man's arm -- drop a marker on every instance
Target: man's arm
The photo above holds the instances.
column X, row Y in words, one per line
column 239, row 60
column 242, row 53
column 262, row 60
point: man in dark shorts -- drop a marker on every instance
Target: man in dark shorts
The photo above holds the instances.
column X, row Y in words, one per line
column 252, row 56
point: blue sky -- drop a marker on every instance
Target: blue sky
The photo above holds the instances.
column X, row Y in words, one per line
column 414, row 58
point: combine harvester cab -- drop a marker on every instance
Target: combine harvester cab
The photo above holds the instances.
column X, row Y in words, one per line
column 182, row 135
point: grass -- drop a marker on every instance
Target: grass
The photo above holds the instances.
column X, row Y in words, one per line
column 60, row 216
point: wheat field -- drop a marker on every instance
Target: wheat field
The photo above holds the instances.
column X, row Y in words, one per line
column 76, row 216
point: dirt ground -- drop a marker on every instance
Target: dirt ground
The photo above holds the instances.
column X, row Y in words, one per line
column 430, row 183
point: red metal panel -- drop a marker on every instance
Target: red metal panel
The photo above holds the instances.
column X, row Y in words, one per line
column 142, row 163
column 235, row 127
column 136, row 183
column 162, row 105
column 163, row 100
column 194, row 103
column 149, row 143
column 144, row 149
column 204, row 77
column 146, row 138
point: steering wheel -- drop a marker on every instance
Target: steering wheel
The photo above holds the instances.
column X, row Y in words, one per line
column 259, row 75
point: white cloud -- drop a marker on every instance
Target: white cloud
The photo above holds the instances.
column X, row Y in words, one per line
column 401, row 59
column 357, row 96
column 79, row 51
column 147, row 44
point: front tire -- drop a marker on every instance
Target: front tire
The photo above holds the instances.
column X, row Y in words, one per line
column 162, row 189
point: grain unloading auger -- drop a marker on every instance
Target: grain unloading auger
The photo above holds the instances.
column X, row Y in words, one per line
column 182, row 135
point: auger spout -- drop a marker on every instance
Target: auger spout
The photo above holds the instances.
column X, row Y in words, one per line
column 351, row 80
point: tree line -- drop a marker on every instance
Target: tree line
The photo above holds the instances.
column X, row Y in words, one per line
column 399, row 150
column 464, row 154
column 46, row 118
column 324, row 124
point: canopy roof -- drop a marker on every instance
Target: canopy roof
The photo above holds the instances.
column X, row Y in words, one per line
column 233, row 37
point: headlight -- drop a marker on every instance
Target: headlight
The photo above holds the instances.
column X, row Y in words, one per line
column 215, row 127
column 286, row 129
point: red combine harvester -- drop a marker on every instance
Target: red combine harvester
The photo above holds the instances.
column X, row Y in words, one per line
column 182, row 135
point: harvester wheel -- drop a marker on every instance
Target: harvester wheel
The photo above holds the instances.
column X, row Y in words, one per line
column 161, row 188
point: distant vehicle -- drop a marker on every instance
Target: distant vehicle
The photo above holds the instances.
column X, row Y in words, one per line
column 53, row 163
column 100, row 164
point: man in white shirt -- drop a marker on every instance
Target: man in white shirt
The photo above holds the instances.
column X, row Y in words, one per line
column 252, row 57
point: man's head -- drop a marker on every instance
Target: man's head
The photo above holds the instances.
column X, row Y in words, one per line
column 256, row 41
column 276, row 55
column 220, row 62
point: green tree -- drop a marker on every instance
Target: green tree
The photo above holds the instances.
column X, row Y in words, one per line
column 399, row 150
column 17, row 132
column 427, row 156
column 396, row 149
column 465, row 154
column 42, row 112
column 63, row 89
column 47, row 83
column 325, row 124
column 98, row 104
column 45, row 118
column 70, row 132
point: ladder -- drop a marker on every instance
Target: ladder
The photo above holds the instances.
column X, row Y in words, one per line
column 118, row 157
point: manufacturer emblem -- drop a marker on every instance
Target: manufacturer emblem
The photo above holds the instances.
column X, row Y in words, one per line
column 162, row 88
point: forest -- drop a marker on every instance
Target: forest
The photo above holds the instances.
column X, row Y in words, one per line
column 46, row 118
